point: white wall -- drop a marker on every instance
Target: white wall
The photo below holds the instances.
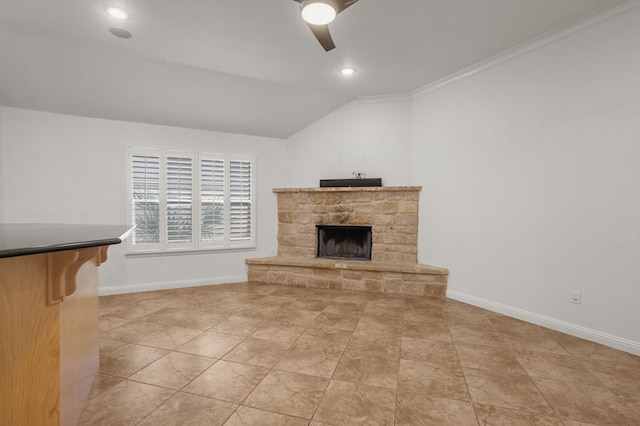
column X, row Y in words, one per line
column 371, row 138
column 531, row 172
column 69, row 169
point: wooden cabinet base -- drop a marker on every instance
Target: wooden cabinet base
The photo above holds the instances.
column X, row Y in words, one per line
column 49, row 352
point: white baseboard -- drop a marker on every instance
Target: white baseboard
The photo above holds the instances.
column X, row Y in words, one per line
column 137, row 288
column 548, row 322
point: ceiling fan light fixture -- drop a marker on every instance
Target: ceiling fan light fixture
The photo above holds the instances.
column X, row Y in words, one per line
column 116, row 12
column 318, row 12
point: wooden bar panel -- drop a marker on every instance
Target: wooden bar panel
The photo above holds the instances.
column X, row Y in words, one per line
column 29, row 344
column 79, row 347
column 49, row 351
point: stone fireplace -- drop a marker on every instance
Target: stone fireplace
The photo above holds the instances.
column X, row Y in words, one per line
column 339, row 218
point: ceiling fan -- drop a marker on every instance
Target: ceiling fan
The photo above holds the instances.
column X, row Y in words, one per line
column 319, row 13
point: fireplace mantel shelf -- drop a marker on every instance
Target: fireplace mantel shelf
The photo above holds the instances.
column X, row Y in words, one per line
column 351, row 189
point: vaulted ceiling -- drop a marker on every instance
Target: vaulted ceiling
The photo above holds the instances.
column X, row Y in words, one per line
column 249, row 66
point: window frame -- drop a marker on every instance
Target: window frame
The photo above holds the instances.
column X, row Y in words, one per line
column 197, row 243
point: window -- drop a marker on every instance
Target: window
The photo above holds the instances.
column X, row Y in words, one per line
column 190, row 201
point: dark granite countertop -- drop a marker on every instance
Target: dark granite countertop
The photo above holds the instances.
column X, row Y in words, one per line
column 20, row 239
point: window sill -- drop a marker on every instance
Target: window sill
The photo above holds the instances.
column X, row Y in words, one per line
column 160, row 253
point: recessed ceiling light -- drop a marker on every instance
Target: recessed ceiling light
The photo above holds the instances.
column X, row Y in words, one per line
column 347, row 71
column 116, row 12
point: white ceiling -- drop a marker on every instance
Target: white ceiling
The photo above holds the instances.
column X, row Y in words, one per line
column 249, row 66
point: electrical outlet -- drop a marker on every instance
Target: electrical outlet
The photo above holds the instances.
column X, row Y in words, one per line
column 576, row 297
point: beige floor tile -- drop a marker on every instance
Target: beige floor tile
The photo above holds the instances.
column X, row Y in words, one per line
column 311, row 360
column 210, row 344
column 131, row 332
column 375, row 309
column 585, row 349
column 499, row 360
column 240, row 326
column 107, row 346
column 512, row 391
column 128, row 359
column 379, row 324
column 193, row 410
column 173, row 370
column 169, row 337
column 260, row 352
column 309, row 304
column 279, row 331
column 423, row 303
column 586, row 403
column 130, row 310
column 434, row 380
column 362, row 341
column 108, row 322
column 344, row 308
column 227, row 381
column 490, row 415
column 432, row 351
column 247, row 416
column 475, row 334
column 354, row 297
column 124, row 404
column 504, row 323
column 387, row 301
column 288, row 393
column 184, row 318
column 436, row 330
column 295, row 316
column 280, row 301
column 453, row 354
column 102, row 383
column 620, row 377
column 557, row 367
column 258, row 311
column 369, row 368
column 466, row 318
column 336, row 320
column 417, row 409
column 423, row 315
column 331, row 338
column 351, row 404
column 534, row 339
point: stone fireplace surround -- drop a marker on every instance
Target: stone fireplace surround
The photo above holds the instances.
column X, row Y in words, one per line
column 392, row 212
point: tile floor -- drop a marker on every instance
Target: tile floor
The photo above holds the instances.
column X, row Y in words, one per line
column 252, row 354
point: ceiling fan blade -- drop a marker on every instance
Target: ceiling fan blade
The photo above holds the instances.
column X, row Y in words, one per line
column 324, row 37
column 342, row 5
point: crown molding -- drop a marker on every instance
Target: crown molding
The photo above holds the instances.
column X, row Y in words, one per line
column 530, row 46
column 510, row 54
column 392, row 97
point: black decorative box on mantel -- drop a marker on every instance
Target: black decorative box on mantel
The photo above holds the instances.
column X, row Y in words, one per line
column 339, row 183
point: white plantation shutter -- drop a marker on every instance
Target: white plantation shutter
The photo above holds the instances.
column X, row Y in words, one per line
column 240, row 196
column 190, row 201
column 179, row 199
column 212, row 196
column 145, row 200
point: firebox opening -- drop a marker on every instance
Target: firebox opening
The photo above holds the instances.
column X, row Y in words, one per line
column 344, row 242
